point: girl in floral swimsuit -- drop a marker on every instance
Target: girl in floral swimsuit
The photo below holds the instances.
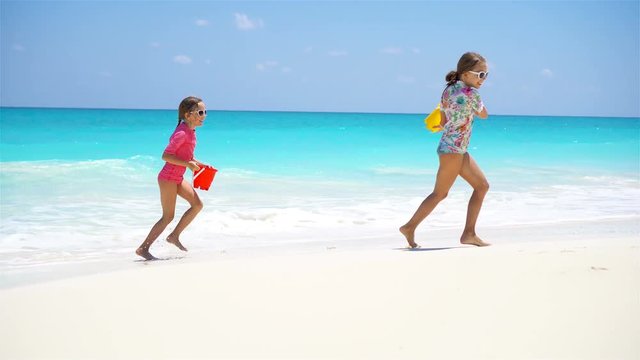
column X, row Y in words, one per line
column 459, row 105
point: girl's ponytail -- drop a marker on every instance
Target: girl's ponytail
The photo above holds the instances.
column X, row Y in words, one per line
column 452, row 77
column 467, row 61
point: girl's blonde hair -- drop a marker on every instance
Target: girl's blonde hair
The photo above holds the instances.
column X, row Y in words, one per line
column 467, row 62
column 186, row 105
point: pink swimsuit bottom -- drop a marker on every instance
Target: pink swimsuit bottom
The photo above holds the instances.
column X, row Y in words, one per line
column 173, row 173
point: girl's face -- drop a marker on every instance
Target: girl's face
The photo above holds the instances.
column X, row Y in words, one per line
column 196, row 116
column 476, row 76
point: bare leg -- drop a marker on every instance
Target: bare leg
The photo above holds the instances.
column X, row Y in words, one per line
column 186, row 191
column 473, row 175
column 450, row 165
column 168, row 193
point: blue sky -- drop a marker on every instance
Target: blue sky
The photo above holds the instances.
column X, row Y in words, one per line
column 545, row 58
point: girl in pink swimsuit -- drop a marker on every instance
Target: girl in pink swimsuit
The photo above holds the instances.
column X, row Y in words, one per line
column 460, row 103
column 178, row 156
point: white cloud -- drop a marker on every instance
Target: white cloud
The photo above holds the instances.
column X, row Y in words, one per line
column 392, row 50
column 308, row 49
column 243, row 22
column 155, row 44
column 267, row 65
column 416, row 50
column 546, row 73
column 202, row 22
column 337, row 53
column 182, row 59
column 18, row 47
column 272, row 65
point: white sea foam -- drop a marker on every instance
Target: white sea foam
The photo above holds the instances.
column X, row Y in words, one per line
column 82, row 211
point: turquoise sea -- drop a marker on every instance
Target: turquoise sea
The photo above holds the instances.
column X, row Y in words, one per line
column 80, row 184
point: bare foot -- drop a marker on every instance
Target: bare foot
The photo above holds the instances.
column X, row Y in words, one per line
column 472, row 240
column 175, row 241
column 409, row 234
column 145, row 254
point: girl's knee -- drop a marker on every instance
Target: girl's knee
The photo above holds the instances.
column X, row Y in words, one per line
column 197, row 206
column 439, row 196
column 483, row 187
column 167, row 219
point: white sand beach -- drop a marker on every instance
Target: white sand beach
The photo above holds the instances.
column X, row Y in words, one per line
column 547, row 300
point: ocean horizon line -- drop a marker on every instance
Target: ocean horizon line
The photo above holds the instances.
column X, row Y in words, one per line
column 302, row 112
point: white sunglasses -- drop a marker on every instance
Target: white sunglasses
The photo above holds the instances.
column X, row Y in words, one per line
column 480, row 75
column 199, row 112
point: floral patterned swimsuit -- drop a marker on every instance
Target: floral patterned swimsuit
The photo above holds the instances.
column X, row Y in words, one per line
column 460, row 103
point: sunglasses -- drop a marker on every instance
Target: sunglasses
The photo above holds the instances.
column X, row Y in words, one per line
column 480, row 75
column 200, row 112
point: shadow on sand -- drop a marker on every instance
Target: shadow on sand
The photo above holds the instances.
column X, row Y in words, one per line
column 426, row 249
column 159, row 259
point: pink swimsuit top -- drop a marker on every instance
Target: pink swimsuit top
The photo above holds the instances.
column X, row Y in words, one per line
column 182, row 143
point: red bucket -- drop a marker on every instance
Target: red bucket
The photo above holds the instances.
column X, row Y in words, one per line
column 203, row 178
